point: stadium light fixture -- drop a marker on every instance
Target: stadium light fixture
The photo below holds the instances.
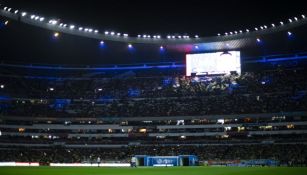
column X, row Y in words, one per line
column 32, row 16
column 295, row 18
column 273, row 25
column 161, row 47
column 196, row 36
column 289, row 33
column 80, row 28
column 247, row 30
column 16, row 11
column 281, row 23
column 101, row 42
column 56, row 34
column 258, row 40
column 130, row 46
column 125, row 35
column 71, row 27
column 139, row 36
column 196, row 47
column 218, row 34
column 6, row 23
column 241, row 31
column 290, row 20
column 158, row 36
column 106, row 32
column 90, row 30
column 41, row 19
column 2, row 86
column 256, row 28
column 96, row 31
column 112, row 33
column 303, row 16
column 23, row 14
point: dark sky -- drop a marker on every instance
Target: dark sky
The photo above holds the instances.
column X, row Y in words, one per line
column 25, row 43
column 165, row 16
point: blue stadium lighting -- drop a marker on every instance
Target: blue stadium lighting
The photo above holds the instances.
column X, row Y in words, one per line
column 161, row 48
column 101, row 42
column 258, row 40
column 289, row 33
column 130, row 46
column 196, row 47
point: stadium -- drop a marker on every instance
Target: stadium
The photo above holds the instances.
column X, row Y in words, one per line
column 155, row 87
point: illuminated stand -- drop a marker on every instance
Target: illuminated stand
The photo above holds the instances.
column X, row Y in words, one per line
column 181, row 160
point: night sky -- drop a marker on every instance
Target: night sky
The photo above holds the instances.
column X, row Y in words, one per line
column 205, row 18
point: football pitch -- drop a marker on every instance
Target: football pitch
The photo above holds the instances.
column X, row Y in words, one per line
column 153, row 171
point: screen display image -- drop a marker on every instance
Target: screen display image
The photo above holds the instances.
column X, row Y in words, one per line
column 213, row 63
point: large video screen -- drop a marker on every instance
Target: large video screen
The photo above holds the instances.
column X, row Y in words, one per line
column 213, row 63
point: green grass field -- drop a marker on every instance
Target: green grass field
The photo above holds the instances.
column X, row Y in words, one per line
column 153, row 171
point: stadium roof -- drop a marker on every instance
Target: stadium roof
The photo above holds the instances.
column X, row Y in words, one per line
column 200, row 22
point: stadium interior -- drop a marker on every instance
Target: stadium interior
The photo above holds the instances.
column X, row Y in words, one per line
column 78, row 96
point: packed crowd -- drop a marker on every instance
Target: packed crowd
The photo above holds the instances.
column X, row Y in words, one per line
column 278, row 91
column 288, row 154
